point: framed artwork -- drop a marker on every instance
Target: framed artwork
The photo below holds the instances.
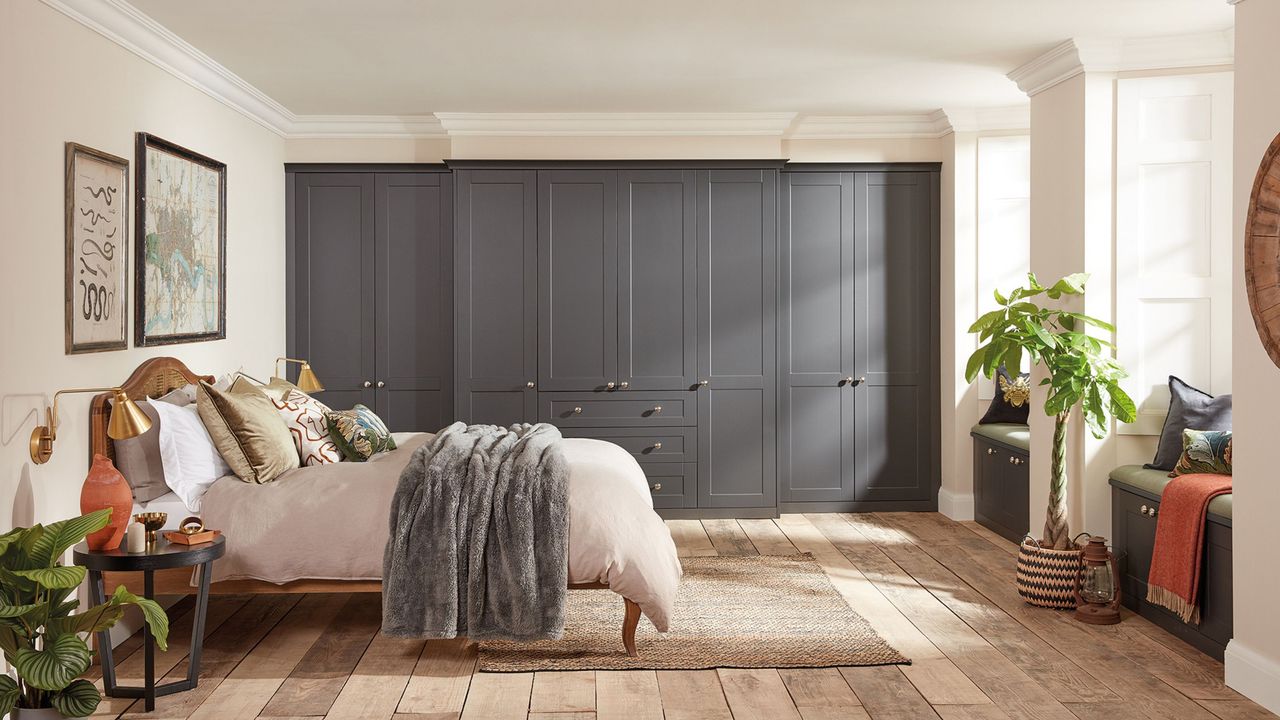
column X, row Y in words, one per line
column 181, row 245
column 97, row 232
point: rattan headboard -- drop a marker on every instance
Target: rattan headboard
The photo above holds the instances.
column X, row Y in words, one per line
column 152, row 378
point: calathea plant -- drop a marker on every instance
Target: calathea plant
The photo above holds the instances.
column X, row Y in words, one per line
column 40, row 636
column 1081, row 371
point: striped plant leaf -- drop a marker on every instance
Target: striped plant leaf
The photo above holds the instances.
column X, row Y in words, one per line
column 152, row 613
column 79, row 700
column 55, row 578
column 16, row 611
column 54, row 667
column 59, row 536
column 8, row 694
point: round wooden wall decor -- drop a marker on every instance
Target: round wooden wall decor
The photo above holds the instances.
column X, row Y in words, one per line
column 1262, row 251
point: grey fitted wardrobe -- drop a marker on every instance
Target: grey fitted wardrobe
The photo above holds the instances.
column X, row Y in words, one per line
column 758, row 335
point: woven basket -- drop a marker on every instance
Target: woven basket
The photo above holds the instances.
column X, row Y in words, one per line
column 1047, row 577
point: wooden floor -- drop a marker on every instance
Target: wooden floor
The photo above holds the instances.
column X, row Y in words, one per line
column 941, row 592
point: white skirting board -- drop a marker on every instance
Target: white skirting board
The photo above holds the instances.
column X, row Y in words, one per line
column 956, row 506
column 1253, row 675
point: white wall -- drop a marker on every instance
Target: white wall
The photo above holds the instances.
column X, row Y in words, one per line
column 1253, row 657
column 64, row 82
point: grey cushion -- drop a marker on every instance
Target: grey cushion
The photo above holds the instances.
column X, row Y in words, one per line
column 1189, row 409
column 1152, row 482
column 1012, row 434
column 138, row 459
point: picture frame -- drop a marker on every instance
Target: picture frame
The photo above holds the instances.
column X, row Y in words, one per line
column 96, row 289
column 180, row 244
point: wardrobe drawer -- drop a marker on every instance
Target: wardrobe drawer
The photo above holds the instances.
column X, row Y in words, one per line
column 673, row 485
column 677, row 445
column 625, row 408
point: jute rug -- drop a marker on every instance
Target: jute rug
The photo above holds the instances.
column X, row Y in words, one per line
column 736, row 612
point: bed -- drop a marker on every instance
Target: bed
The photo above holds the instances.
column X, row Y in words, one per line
column 322, row 529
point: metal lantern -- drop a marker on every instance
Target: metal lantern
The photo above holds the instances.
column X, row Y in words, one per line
column 1097, row 588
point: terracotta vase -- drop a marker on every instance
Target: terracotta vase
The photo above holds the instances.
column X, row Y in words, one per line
column 105, row 487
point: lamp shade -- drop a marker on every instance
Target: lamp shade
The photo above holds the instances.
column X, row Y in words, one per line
column 127, row 419
column 307, row 380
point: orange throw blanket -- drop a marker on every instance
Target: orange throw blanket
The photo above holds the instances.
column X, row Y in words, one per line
column 1175, row 562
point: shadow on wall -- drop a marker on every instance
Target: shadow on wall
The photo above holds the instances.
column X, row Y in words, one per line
column 21, row 407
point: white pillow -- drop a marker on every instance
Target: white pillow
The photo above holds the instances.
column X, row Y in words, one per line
column 191, row 461
column 305, row 418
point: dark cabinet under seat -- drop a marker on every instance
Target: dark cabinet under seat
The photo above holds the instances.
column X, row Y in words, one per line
column 1001, row 484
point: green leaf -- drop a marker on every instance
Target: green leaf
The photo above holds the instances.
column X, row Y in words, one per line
column 17, row 611
column 8, row 640
column 986, row 321
column 61, row 535
column 1070, row 285
column 9, row 694
column 1001, row 299
column 1122, row 405
column 94, row 619
column 61, row 661
column 80, row 699
column 55, row 578
column 152, row 613
column 974, row 366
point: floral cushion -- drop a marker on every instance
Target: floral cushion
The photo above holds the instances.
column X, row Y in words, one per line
column 305, row 418
column 359, row 433
column 1204, row 451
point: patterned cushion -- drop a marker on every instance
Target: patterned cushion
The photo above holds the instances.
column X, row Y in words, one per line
column 1012, row 403
column 1204, row 451
column 305, row 418
column 359, row 433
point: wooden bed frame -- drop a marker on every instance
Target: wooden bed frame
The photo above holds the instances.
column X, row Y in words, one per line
column 160, row 375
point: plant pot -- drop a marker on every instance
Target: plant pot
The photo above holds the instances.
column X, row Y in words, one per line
column 1047, row 577
column 105, row 487
column 40, row 714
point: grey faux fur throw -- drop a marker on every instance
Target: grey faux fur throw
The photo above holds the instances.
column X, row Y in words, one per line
column 479, row 540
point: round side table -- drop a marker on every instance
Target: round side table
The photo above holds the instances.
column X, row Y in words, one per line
column 164, row 555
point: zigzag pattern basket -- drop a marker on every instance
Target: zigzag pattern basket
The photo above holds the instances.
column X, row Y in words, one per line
column 1047, row 577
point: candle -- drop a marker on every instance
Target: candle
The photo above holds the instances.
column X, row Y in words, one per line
column 136, row 539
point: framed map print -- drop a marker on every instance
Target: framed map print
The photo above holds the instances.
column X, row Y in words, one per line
column 97, row 237
column 181, row 244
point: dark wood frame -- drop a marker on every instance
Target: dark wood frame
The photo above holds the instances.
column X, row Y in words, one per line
column 159, row 375
column 147, row 142
column 1262, row 250
column 72, row 150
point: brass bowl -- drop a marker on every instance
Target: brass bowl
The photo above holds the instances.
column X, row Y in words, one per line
column 152, row 521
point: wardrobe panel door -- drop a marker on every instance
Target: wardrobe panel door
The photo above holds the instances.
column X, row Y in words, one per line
column 578, row 270
column 657, row 256
column 414, row 252
column 496, row 271
column 737, row 262
column 816, row 274
column 894, row 305
column 333, row 281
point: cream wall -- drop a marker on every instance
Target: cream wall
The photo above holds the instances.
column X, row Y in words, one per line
column 64, row 82
column 1253, row 657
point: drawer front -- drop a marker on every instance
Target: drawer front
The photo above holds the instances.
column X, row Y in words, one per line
column 673, row 485
column 675, row 445
column 1134, row 538
column 621, row 408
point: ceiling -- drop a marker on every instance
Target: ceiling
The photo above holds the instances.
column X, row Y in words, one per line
column 817, row 57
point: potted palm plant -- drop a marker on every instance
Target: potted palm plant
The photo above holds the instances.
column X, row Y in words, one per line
column 41, row 638
column 1081, row 373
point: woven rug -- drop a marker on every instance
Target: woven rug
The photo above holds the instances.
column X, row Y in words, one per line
column 768, row 611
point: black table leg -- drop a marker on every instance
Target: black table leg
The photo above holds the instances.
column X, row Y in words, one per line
column 97, row 596
column 197, row 632
column 149, row 644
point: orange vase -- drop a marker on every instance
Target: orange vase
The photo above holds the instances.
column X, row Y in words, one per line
column 105, row 487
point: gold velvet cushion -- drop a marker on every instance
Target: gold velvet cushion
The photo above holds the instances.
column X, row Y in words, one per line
column 248, row 431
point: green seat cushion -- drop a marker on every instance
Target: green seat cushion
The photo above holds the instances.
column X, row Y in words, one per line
column 1152, row 482
column 1018, row 436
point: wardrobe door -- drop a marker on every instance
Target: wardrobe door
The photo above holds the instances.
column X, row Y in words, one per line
column 737, row 260
column 816, row 428
column 332, row 277
column 896, row 223
column 578, row 271
column 657, row 280
column 414, row 291
column 496, row 271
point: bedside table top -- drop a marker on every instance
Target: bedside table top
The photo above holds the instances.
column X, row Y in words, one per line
column 162, row 556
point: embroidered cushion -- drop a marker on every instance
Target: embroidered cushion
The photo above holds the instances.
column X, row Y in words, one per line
column 359, row 433
column 1204, row 451
column 305, row 418
column 1012, row 403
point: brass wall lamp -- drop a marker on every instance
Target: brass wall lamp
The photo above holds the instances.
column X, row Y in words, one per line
column 127, row 420
column 307, row 380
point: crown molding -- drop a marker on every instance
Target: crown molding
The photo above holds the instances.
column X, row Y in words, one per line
column 366, row 126
column 614, row 124
column 989, row 119
column 854, row 127
column 1078, row 55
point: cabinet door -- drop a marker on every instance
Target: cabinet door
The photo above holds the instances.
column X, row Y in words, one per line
column 815, row 330
column 332, row 283
column 497, row 296
column 414, row 288
column 578, row 271
column 657, row 320
column 737, row 261
column 895, row 223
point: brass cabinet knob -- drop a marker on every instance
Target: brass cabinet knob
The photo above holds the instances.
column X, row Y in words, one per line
column 1152, row 511
column 847, row 381
column 991, row 451
column 656, row 487
column 368, row 383
column 577, row 411
column 381, row 384
column 1015, row 460
column 657, row 446
column 624, row 384
column 657, row 409
column 531, row 384
column 703, row 383
column 1143, row 509
column 610, row 385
